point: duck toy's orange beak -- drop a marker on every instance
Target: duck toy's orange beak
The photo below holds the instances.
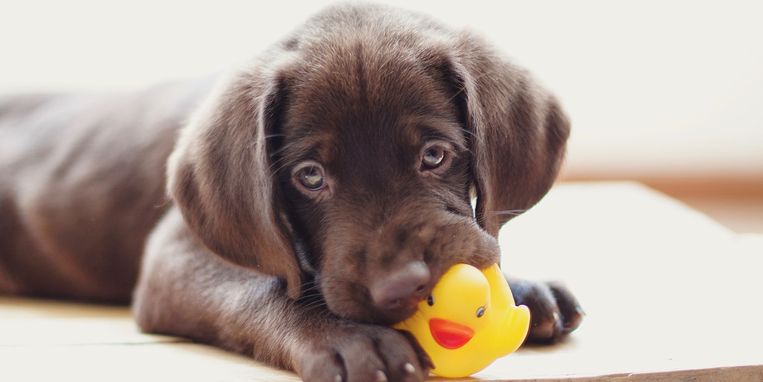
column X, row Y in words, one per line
column 449, row 334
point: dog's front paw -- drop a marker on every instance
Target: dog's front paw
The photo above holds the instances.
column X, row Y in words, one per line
column 361, row 353
column 554, row 311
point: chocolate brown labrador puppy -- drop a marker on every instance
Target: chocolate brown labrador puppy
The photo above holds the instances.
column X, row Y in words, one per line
column 316, row 194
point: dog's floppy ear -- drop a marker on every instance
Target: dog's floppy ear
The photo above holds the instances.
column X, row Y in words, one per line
column 518, row 132
column 220, row 176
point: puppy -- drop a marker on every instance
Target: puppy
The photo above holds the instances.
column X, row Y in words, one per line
column 317, row 194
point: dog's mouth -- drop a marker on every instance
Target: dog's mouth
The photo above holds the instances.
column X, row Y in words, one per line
column 351, row 300
column 402, row 313
column 449, row 334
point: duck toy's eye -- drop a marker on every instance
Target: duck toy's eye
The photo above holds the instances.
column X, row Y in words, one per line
column 480, row 311
column 430, row 300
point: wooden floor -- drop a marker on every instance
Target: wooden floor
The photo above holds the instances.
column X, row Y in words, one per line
column 733, row 200
column 669, row 293
column 742, row 215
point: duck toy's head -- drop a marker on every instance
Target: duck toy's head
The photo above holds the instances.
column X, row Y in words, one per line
column 468, row 321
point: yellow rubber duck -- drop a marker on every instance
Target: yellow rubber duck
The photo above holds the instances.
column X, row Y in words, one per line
column 468, row 321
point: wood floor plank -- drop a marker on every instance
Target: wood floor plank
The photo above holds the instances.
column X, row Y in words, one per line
column 669, row 295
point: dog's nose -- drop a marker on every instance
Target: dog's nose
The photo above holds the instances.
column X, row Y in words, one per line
column 401, row 287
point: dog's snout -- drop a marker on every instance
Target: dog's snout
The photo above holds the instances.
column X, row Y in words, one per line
column 401, row 287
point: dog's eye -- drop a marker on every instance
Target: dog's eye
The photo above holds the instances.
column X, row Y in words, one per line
column 433, row 157
column 310, row 176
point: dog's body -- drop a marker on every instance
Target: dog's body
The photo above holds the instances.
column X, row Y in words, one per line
column 83, row 186
column 302, row 214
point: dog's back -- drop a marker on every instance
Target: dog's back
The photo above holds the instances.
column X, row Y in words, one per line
column 81, row 186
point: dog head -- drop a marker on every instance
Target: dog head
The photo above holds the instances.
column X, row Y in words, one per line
column 352, row 150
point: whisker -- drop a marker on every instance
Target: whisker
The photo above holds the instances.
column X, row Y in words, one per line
column 468, row 151
column 314, row 308
column 507, row 212
column 466, row 131
column 310, row 297
column 277, row 165
column 460, row 90
column 278, row 151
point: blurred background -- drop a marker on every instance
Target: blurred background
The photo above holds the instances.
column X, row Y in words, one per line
column 665, row 93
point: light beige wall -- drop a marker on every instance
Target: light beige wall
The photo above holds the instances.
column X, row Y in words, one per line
column 653, row 87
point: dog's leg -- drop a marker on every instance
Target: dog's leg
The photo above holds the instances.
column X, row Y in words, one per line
column 185, row 290
column 554, row 310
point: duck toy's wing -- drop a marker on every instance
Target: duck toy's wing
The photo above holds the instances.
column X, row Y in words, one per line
column 511, row 322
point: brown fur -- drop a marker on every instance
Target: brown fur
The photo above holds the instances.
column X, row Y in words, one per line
column 360, row 89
